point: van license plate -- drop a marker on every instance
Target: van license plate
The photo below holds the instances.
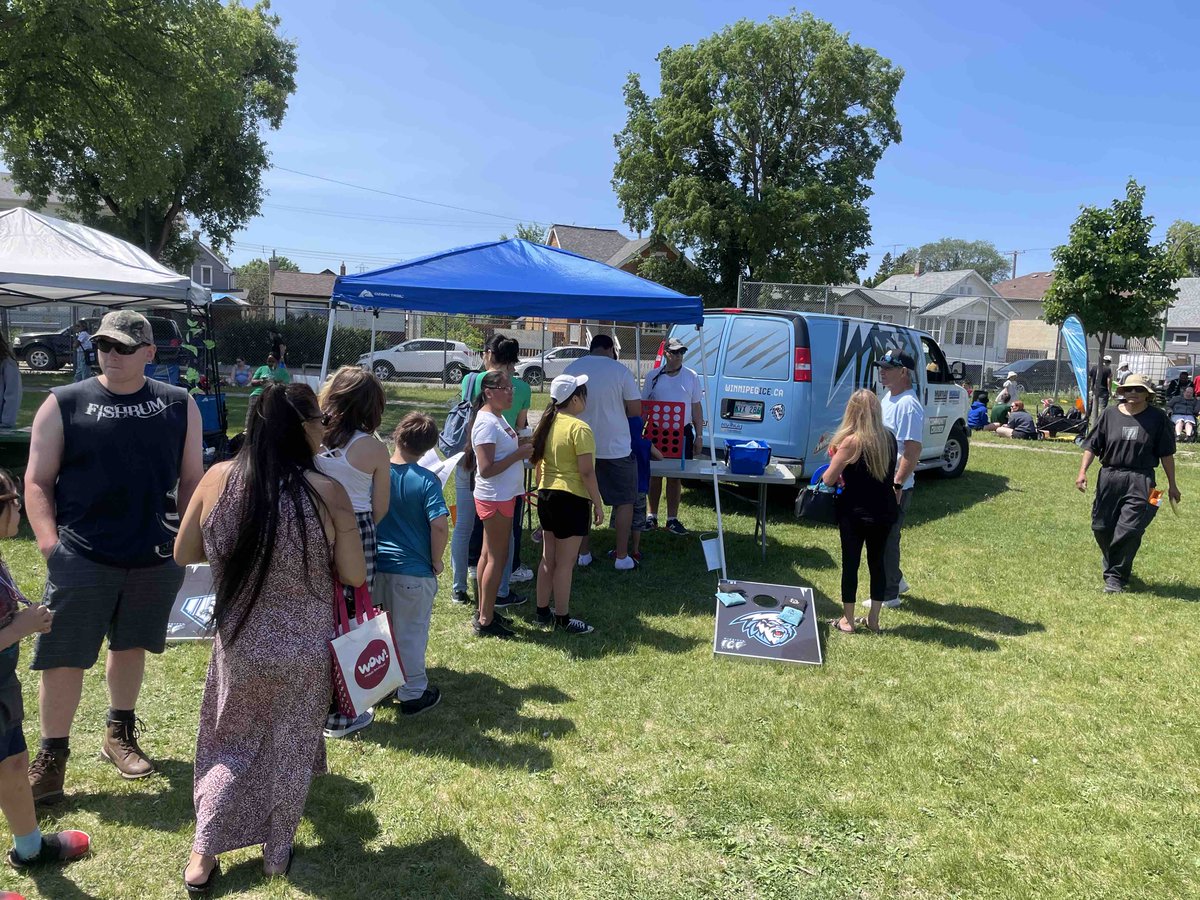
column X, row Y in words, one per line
column 744, row 410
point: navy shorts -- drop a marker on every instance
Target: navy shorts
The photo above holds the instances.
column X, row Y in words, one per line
column 12, row 742
column 92, row 601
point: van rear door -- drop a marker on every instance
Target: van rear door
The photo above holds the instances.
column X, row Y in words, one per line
column 703, row 354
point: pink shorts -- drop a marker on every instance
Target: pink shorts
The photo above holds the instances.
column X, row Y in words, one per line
column 485, row 509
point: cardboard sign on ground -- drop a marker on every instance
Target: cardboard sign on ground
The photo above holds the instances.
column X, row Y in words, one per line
column 192, row 613
column 754, row 630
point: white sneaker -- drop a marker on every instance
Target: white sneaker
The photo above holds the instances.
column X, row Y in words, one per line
column 524, row 573
column 624, row 563
column 585, row 559
column 904, row 589
column 893, row 603
column 470, row 573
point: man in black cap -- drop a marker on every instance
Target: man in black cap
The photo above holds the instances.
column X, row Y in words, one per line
column 904, row 417
column 674, row 382
column 113, row 460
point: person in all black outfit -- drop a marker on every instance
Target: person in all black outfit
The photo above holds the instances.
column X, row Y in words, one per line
column 1130, row 440
column 864, row 460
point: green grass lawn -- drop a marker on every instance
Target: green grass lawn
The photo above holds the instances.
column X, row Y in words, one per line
column 1014, row 733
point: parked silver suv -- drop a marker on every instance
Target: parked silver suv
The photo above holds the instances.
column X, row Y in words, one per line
column 423, row 358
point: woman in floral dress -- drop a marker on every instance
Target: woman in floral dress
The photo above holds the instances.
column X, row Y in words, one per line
column 275, row 531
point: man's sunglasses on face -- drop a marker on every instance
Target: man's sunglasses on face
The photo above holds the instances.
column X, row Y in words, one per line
column 107, row 346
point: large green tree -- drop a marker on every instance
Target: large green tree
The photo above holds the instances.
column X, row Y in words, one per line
column 140, row 113
column 757, row 154
column 254, row 278
column 533, row 232
column 950, row 254
column 1111, row 275
column 1183, row 241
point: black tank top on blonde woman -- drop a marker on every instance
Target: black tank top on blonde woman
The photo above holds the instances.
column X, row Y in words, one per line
column 865, row 498
column 116, row 493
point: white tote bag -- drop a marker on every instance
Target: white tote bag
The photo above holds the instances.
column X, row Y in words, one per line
column 366, row 666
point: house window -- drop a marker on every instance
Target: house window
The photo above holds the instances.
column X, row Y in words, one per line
column 206, row 276
column 963, row 290
column 1179, row 337
column 932, row 324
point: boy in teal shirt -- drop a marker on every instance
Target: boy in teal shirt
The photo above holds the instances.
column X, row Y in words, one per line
column 410, row 542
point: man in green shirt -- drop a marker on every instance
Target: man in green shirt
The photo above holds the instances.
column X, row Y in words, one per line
column 263, row 376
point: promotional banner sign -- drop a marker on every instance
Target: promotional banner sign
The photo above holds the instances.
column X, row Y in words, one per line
column 775, row 622
column 1076, row 341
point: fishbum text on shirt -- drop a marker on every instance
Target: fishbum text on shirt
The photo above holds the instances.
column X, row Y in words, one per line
column 146, row 410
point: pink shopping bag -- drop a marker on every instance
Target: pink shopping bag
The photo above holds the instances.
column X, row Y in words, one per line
column 366, row 666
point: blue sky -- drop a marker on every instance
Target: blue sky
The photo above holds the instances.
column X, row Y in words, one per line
column 1013, row 115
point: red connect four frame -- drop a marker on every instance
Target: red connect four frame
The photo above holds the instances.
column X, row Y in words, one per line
column 664, row 426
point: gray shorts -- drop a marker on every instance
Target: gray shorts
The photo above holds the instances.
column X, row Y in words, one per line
column 639, row 515
column 618, row 480
column 92, row 601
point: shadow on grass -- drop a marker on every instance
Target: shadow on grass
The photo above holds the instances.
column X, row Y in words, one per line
column 1188, row 593
column 979, row 617
column 473, row 706
column 950, row 638
column 152, row 805
column 55, row 882
column 936, row 498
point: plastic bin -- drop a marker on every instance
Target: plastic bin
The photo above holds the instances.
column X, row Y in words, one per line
column 747, row 457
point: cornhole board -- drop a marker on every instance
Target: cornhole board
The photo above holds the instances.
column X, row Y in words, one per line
column 754, row 631
column 191, row 615
column 664, row 426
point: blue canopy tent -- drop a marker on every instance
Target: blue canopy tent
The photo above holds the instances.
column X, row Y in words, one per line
column 517, row 278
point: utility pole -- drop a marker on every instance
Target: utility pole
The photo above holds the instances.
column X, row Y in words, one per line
column 1014, row 271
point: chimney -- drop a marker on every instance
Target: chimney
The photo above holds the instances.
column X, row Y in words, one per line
column 917, row 266
column 343, row 269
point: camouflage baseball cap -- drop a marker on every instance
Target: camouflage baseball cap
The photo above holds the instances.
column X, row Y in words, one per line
column 125, row 327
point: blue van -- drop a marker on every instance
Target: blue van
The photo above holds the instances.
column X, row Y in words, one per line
column 785, row 377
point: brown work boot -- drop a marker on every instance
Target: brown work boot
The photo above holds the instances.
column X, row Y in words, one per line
column 121, row 749
column 46, row 774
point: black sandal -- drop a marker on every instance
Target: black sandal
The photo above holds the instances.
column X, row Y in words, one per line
column 199, row 890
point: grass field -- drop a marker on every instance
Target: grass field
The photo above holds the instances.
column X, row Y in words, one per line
column 1013, row 734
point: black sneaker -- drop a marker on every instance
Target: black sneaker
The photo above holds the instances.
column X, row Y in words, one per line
column 513, row 599
column 573, row 626
column 493, row 629
column 427, row 700
column 545, row 615
column 461, row 597
column 651, row 522
column 502, row 619
column 676, row 527
column 1113, row 586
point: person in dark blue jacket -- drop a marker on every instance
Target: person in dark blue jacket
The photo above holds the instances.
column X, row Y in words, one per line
column 977, row 418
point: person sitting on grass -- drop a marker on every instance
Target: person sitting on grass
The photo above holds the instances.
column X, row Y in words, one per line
column 977, row 418
column 564, row 453
column 1183, row 409
column 411, row 540
column 30, row 846
column 1000, row 408
column 1020, row 424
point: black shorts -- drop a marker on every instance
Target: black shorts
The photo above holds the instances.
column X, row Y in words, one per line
column 563, row 514
column 617, row 479
column 12, row 742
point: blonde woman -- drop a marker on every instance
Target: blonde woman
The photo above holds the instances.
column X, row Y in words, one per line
column 864, row 460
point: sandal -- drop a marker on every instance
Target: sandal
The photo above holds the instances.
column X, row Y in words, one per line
column 200, row 889
column 837, row 623
column 861, row 622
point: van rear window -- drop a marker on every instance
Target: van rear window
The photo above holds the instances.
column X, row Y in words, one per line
column 703, row 363
column 760, row 348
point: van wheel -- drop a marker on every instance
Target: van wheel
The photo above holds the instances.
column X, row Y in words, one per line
column 954, row 457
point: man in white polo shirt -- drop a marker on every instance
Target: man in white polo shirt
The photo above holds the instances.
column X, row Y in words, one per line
column 903, row 416
column 613, row 396
column 674, row 382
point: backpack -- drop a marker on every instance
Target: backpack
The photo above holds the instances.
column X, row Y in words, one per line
column 454, row 436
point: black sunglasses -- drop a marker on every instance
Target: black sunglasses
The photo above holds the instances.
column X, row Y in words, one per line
column 106, row 346
column 676, row 352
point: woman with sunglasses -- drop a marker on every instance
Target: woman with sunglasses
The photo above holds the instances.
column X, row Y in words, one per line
column 497, row 458
column 276, row 531
column 353, row 402
column 19, row 619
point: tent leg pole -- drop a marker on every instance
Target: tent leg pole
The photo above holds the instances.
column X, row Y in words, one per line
column 709, row 414
column 328, row 342
column 374, row 319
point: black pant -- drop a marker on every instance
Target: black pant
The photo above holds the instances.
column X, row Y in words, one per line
column 1121, row 514
column 854, row 534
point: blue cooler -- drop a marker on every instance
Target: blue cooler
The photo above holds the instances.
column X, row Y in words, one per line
column 747, row 457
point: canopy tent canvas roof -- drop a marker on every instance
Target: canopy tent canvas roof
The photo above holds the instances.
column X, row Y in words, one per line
column 47, row 260
column 516, row 278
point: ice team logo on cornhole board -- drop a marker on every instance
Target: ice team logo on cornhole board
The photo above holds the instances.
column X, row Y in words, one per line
column 758, row 629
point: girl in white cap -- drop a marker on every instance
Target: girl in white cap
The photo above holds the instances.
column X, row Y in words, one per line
column 564, row 452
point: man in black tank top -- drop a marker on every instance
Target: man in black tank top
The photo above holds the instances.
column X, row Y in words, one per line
column 113, row 461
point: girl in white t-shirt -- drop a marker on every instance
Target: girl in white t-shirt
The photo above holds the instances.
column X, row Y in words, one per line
column 497, row 457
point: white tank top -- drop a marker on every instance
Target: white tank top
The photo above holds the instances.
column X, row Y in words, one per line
column 356, row 482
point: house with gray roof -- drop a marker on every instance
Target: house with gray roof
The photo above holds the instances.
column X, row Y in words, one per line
column 11, row 198
column 1183, row 318
column 609, row 246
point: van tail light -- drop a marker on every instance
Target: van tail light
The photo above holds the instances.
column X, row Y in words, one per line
column 658, row 359
column 803, row 368
column 175, row 342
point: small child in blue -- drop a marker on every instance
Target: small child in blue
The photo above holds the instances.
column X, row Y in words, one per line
column 31, row 847
column 643, row 451
column 977, row 418
column 411, row 540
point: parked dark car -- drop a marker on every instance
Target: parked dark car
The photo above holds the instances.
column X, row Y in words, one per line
column 1036, row 374
column 47, row 351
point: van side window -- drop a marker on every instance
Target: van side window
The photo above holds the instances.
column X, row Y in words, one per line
column 703, row 363
column 760, row 348
column 936, row 370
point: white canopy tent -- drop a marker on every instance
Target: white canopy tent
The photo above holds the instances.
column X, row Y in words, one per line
column 47, row 260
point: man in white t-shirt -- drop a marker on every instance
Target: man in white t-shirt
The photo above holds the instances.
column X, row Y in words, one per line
column 83, row 347
column 903, row 416
column 613, row 396
column 674, row 382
